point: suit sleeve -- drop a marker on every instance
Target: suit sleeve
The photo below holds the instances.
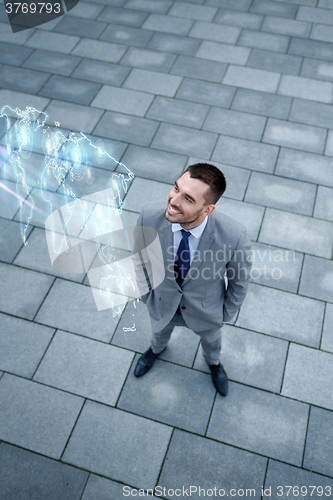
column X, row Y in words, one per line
column 238, row 275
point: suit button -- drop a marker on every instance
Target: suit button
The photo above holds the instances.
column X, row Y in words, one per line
column 183, row 307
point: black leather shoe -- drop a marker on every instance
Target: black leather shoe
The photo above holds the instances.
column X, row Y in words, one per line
column 145, row 362
column 220, row 379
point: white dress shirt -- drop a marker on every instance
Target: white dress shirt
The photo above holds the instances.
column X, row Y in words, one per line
column 193, row 240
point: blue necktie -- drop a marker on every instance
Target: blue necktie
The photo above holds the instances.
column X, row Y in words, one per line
column 182, row 262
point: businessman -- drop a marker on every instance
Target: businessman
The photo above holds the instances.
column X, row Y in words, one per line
column 207, row 261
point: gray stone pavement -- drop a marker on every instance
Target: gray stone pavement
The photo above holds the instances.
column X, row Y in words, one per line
column 248, row 85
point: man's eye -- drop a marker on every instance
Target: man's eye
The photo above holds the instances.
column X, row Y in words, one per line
column 188, row 199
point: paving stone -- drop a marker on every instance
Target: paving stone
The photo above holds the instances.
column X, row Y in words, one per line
column 261, row 103
column 162, row 6
column 103, row 51
column 278, row 192
column 270, row 61
column 251, row 358
column 311, row 48
column 22, row 100
column 237, row 178
column 148, row 59
column 206, row 92
column 39, row 215
column 267, row 7
column 261, row 422
column 153, row 164
column 327, row 340
column 306, row 88
column 122, row 100
column 296, row 477
column 286, row 26
column 12, row 54
column 207, row 461
column 126, row 17
column 325, row 4
column 236, row 18
column 70, row 89
column 80, row 27
column 36, row 417
column 299, row 165
column 74, row 116
column 22, row 79
column 184, row 140
column 210, row 31
column 126, row 35
column 101, row 72
column 255, row 79
column 245, row 154
column 49, row 61
column 245, row 213
column 103, row 489
column 166, row 24
column 115, row 3
column 261, row 40
column 85, row 367
column 158, row 191
column 301, row 320
column 152, row 82
column 314, row 15
column 170, row 394
column 319, row 443
column 295, row 135
column 126, row 128
column 235, row 123
column 319, row 70
column 223, row 53
column 202, row 69
column 329, row 144
column 28, row 475
column 324, row 203
column 10, row 239
column 235, row 5
column 22, row 345
column 181, row 348
column 86, row 10
column 312, row 386
column 70, row 306
column 312, row 113
column 178, row 112
column 297, row 232
column 174, row 43
column 7, row 35
column 198, row 12
column 35, row 256
column 275, row 267
column 55, row 42
column 95, row 446
column 9, row 203
column 322, row 32
column 317, row 278
column 15, row 282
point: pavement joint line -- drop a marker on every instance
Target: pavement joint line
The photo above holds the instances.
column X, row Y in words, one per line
column 285, row 366
column 42, row 302
column 306, row 435
column 43, row 356
column 72, row 430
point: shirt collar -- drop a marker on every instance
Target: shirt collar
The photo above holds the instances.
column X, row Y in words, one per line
column 196, row 231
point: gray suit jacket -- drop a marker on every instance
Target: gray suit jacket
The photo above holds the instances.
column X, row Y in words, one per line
column 204, row 298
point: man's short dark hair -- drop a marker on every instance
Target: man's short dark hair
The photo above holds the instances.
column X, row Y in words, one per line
column 211, row 175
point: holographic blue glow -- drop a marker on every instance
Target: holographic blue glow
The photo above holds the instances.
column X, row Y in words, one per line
column 67, row 161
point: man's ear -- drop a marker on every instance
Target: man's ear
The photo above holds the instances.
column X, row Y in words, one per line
column 209, row 209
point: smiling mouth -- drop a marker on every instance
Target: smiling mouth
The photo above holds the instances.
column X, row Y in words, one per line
column 172, row 211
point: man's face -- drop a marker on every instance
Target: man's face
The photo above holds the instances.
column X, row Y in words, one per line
column 187, row 202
